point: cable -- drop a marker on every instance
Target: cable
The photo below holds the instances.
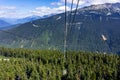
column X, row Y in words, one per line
column 70, row 13
column 71, row 21
column 75, row 12
column 66, row 26
column 65, row 31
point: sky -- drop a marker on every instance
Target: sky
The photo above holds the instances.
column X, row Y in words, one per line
column 25, row 8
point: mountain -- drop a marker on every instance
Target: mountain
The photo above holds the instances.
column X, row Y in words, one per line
column 27, row 19
column 15, row 22
column 9, row 27
column 31, row 18
column 23, row 20
column 3, row 24
column 9, row 20
column 96, row 28
column 20, row 20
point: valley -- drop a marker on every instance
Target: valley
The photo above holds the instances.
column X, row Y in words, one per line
column 94, row 29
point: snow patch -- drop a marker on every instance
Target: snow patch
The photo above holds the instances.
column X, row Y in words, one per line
column 109, row 13
column 94, row 12
column 103, row 37
column 21, row 46
column 34, row 25
column 117, row 9
column 79, row 28
column 58, row 18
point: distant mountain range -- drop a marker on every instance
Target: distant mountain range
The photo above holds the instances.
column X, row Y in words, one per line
column 20, row 20
column 7, row 23
column 4, row 24
column 23, row 20
column 96, row 28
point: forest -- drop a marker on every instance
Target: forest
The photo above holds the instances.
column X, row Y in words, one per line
column 25, row 64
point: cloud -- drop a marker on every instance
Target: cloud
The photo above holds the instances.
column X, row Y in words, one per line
column 57, row 3
column 57, row 7
column 62, row 2
column 75, row 1
column 12, row 12
column 41, row 11
column 7, row 7
column 8, row 14
column 7, row 11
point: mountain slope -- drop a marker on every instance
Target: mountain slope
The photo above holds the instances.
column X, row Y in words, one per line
column 3, row 24
column 96, row 28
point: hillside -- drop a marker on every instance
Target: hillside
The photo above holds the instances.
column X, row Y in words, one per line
column 3, row 24
column 23, row 64
column 96, row 28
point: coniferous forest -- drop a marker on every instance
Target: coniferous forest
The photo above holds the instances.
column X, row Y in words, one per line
column 24, row 64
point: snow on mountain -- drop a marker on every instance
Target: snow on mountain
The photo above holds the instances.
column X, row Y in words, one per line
column 115, row 6
column 103, row 37
column 34, row 25
column 107, row 9
column 58, row 18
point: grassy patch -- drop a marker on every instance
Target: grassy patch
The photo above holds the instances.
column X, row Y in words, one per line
column 2, row 57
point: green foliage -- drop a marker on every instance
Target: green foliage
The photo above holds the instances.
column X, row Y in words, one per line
column 27, row 64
